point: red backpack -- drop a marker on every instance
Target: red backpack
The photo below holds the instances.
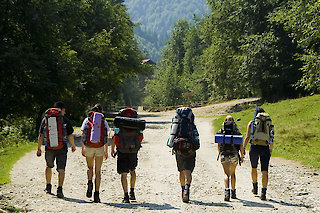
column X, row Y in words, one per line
column 91, row 125
column 54, row 128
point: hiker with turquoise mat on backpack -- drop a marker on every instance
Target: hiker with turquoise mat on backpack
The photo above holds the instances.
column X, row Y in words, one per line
column 260, row 133
column 229, row 141
column 127, row 138
column 184, row 141
column 94, row 147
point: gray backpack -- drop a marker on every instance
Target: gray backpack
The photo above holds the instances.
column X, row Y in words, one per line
column 262, row 128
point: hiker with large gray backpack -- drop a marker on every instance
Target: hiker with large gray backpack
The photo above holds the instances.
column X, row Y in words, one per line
column 260, row 133
column 184, row 141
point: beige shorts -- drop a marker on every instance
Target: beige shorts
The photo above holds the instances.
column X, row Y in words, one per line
column 94, row 151
column 234, row 159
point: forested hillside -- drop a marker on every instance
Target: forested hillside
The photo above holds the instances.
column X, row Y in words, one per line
column 242, row 48
column 157, row 17
column 79, row 52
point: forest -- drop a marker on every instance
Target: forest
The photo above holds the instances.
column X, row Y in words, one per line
column 267, row 48
column 84, row 52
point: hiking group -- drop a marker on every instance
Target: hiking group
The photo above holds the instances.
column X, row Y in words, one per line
column 55, row 130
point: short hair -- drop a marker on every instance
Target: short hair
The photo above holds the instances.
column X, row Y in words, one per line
column 59, row 104
column 260, row 110
column 97, row 108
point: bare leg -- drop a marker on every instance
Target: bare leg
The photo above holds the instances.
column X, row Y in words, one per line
column 233, row 175
column 98, row 164
column 124, row 182
column 90, row 162
column 133, row 178
column 226, row 170
column 182, row 178
column 254, row 174
column 61, row 176
column 48, row 173
column 264, row 179
column 188, row 176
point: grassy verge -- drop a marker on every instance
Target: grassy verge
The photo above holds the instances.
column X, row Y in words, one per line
column 9, row 156
column 297, row 125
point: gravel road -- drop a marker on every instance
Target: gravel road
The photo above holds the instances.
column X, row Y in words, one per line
column 292, row 187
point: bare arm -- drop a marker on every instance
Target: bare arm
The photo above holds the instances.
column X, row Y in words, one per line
column 40, row 140
column 71, row 139
column 246, row 140
column 112, row 147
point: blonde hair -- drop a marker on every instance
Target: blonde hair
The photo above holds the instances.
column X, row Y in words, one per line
column 229, row 118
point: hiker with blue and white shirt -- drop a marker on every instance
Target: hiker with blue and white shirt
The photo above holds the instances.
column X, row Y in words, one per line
column 94, row 147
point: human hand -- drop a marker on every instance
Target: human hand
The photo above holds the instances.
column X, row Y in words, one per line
column 241, row 159
column 244, row 152
column 73, row 148
column 83, row 152
column 39, row 152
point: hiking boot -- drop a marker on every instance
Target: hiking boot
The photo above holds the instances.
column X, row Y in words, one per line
column 96, row 197
column 233, row 194
column 255, row 188
column 59, row 192
column 227, row 195
column 90, row 188
column 263, row 194
column 185, row 196
column 132, row 196
column 126, row 198
column 48, row 188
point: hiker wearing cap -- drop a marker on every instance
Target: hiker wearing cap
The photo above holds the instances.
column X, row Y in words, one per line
column 260, row 133
column 127, row 138
column 55, row 130
column 184, row 141
column 94, row 147
column 229, row 154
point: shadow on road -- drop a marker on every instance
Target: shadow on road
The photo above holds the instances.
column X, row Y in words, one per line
column 290, row 204
column 200, row 203
column 75, row 200
column 256, row 204
column 149, row 206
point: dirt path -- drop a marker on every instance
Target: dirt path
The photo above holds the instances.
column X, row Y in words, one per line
column 293, row 188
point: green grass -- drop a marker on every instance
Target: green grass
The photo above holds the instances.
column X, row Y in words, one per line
column 297, row 128
column 10, row 155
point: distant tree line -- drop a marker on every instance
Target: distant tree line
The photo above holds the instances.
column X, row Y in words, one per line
column 267, row 48
column 80, row 52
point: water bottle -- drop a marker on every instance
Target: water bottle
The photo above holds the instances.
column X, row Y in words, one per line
column 174, row 128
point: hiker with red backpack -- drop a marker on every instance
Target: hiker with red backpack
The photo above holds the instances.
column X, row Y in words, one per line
column 229, row 141
column 260, row 133
column 184, row 141
column 55, row 130
column 127, row 138
column 94, row 147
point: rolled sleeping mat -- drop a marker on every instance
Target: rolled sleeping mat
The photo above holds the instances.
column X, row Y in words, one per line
column 130, row 123
column 96, row 128
column 228, row 139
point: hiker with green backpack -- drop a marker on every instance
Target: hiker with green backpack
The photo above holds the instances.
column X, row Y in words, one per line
column 229, row 141
column 184, row 141
column 260, row 133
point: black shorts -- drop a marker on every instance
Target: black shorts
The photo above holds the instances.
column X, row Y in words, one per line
column 185, row 163
column 60, row 155
column 126, row 162
column 262, row 152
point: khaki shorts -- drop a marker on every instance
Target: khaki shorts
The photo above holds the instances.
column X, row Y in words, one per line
column 234, row 159
column 94, row 151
